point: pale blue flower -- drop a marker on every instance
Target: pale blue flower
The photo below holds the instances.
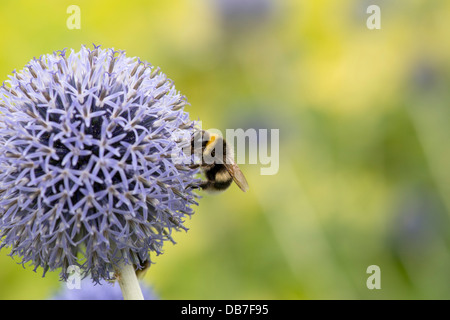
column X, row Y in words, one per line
column 89, row 290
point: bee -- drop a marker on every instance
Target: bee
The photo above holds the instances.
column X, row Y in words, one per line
column 143, row 268
column 217, row 162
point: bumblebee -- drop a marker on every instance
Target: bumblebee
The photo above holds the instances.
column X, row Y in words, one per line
column 217, row 162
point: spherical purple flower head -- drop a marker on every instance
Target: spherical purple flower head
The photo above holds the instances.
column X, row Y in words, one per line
column 91, row 164
column 104, row 291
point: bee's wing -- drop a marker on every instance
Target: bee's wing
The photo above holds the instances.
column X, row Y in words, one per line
column 236, row 173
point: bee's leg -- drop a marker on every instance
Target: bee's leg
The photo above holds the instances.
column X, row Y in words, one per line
column 141, row 270
column 200, row 185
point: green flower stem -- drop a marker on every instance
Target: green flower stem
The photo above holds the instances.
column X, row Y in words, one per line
column 129, row 284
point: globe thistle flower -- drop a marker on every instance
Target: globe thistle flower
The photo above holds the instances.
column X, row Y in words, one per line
column 106, row 291
column 92, row 167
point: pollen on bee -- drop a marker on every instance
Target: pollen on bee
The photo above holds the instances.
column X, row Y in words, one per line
column 213, row 138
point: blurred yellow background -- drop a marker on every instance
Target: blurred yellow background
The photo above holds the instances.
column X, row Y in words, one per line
column 363, row 114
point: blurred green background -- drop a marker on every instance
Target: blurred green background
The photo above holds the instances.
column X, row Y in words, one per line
column 363, row 114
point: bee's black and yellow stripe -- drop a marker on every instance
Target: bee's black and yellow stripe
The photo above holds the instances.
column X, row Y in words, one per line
column 218, row 178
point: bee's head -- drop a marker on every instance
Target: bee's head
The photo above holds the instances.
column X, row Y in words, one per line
column 202, row 141
column 208, row 146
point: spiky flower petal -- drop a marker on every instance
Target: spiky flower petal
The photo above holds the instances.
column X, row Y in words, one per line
column 90, row 161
